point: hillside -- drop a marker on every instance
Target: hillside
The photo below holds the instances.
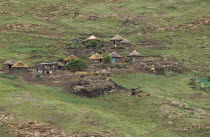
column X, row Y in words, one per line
column 35, row 31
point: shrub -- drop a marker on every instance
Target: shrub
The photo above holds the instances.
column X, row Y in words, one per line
column 92, row 44
column 102, row 45
column 8, row 76
column 38, row 76
column 77, row 64
column 12, row 77
column 107, row 59
column 60, row 60
column 2, row 75
column 209, row 78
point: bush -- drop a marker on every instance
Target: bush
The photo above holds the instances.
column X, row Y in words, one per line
column 77, row 65
column 8, row 76
column 12, row 77
column 2, row 75
column 209, row 78
column 38, row 76
column 60, row 60
column 92, row 44
column 107, row 59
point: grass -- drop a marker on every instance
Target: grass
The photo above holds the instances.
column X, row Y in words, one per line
column 122, row 115
column 119, row 114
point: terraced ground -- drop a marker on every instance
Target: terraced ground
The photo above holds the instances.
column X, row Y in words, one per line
column 40, row 30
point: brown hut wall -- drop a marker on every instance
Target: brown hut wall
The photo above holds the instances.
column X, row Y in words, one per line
column 136, row 58
column 116, row 42
column 96, row 61
column 20, row 69
column 117, row 60
column 6, row 67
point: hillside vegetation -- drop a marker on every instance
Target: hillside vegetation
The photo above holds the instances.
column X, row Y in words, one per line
column 35, row 31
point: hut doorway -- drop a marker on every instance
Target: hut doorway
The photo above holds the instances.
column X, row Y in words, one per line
column 113, row 60
column 133, row 58
column 9, row 66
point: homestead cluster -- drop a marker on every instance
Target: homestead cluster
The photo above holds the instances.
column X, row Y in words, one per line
column 102, row 62
column 94, row 59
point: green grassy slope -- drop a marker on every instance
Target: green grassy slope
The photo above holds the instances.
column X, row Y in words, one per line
column 119, row 114
column 49, row 25
column 38, row 30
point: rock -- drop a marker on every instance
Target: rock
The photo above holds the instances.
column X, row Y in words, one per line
column 187, row 107
column 170, row 123
column 201, row 117
column 37, row 134
column 200, row 111
column 207, row 128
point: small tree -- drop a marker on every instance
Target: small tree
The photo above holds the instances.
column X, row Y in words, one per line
column 107, row 59
column 77, row 64
column 92, row 44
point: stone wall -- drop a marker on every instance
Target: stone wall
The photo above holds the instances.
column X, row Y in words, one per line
column 121, row 71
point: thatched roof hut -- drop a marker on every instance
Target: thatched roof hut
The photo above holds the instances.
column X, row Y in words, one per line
column 92, row 38
column 115, row 55
column 20, row 65
column 96, row 56
column 117, row 38
column 70, row 58
column 60, row 64
column 10, row 62
column 134, row 54
column 115, row 58
column 7, row 65
column 125, row 41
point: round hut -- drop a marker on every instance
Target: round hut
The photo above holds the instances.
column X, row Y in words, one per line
column 125, row 43
column 91, row 38
column 69, row 58
column 135, row 56
column 96, row 59
column 20, row 67
column 61, row 66
column 7, row 65
column 115, row 58
column 116, row 40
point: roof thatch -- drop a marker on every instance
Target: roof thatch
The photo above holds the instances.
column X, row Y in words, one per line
column 10, row 62
column 92, row 38
column 134, row 54
column 125, row 41
column 70, row 58
column 115, row 55
column 117, row 37
column 20, row 65
column 60, row 64
column 96, row 56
